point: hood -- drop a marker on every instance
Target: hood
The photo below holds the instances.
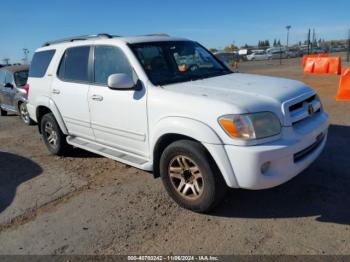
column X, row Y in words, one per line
column 246, row 91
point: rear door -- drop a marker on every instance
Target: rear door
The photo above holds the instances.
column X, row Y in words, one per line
column 70, row 90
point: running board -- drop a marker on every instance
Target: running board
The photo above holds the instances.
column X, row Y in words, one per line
column 109, row 152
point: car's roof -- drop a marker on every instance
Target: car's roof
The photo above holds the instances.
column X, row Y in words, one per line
column 75, row 41
column 15, row 68
column 150, row 38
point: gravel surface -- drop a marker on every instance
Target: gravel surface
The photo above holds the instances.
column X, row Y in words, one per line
column 87, row 204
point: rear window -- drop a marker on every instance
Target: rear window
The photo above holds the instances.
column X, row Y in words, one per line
column 40, row 63
column 21, row 78
column 74, row 65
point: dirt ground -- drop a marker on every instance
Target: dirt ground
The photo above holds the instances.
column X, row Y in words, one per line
column 87, row 204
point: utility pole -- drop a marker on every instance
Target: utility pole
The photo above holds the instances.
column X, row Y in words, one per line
column 26, row 52
column 313, row 39
column 348, row 54
column 288, row 27
column 308, row 41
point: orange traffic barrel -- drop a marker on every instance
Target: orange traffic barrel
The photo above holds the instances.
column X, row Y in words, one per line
column 344, row 87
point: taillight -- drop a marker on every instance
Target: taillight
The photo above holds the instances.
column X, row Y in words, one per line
column 26, row 88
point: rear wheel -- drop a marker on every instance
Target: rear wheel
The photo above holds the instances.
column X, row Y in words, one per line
column 23, row 113
column 190, row 176
column 3, row 112
column 53, row 137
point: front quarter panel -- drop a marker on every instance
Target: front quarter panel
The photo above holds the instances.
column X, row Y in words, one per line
column 199, row 131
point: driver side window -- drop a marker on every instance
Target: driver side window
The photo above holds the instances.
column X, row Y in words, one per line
column 8, row 78
column 110, row 60
column 2, row 78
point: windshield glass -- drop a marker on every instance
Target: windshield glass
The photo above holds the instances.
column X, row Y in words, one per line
column 21, row 78
column 177, row 61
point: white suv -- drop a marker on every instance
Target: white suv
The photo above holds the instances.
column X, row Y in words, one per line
column 167, row 105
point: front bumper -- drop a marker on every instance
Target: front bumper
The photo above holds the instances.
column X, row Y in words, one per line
column 297, row 148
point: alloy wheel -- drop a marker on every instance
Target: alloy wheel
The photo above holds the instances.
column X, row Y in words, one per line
column 51, row 134
column 24, row 113
column 186, row 177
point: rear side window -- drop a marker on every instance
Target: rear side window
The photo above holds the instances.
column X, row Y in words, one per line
column 21, row 78
column 74, row 65
column 40, row 63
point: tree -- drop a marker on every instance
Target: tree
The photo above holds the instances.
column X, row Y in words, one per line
column 279, row 42
column 213, row 50
column 275, row 42
column 230, row 48
column 6, row 61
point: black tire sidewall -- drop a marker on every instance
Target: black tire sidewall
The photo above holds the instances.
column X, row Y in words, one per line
column 3, row 112
column 58, row 150
column 199, row 155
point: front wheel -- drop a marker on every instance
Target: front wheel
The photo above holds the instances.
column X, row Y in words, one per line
column 190, row 176
column 23, row 112
column 53, row 137
column 3, row 112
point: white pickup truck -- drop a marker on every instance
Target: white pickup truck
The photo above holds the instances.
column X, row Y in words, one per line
column 167, row 105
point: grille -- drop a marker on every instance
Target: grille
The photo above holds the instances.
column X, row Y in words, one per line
column 304, row 109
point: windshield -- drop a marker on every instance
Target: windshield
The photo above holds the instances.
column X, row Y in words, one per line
column 177, row 61
column 21, row 77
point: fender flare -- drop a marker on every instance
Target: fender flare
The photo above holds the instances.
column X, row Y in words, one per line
column 183, row 126
column 50, row 104
column 201, row 132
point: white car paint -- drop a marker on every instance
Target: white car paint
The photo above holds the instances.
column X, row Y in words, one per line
column 133, row 121
column 258, row 55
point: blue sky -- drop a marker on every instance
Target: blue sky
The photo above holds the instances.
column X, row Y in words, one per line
column 212, row 23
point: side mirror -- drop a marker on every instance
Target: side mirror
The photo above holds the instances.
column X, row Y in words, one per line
column 121, row 82
column 8, row 85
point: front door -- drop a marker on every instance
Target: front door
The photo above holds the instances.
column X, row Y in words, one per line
column 70, row 91
column 118, row 117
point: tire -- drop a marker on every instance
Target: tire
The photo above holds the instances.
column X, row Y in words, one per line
column 195, row 182
column 53, row 137
column 3, row 112
column 24, row 115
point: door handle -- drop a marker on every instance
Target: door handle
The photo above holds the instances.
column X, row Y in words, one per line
column 97, row 98
column 56, row 91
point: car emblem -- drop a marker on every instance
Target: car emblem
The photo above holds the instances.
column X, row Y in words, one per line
column 310, row 109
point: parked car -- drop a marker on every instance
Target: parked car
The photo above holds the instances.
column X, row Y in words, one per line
column 227, row 57
column 292, row 53
column 13, row 91
column 197, row 125
column 337, row 49
column 276, row 52
column 258, row 55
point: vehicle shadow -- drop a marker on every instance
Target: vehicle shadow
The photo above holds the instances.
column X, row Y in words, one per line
column 14, row 170
column 322, row 190
column 75, row 152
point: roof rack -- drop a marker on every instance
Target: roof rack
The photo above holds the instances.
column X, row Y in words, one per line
column 77, row 38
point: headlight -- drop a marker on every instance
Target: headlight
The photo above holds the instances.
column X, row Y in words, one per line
column 251, row 126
